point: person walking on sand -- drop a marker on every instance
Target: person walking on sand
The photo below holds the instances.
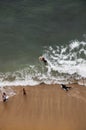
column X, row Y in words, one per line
column 24, row 91
column 4, row 97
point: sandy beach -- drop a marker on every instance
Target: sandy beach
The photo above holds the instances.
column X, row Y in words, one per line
column 45, row 107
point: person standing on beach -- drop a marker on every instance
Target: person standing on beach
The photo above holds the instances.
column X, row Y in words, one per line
column 24, row 91
column 4, row 97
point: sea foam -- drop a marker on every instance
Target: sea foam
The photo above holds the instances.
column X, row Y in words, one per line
column 65, row 63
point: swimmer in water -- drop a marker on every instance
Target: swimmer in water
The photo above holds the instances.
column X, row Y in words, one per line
column 41, row 58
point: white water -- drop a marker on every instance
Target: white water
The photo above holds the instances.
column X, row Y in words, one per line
column 64, row 63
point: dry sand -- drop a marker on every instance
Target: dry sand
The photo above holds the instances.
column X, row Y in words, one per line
column 45, row 107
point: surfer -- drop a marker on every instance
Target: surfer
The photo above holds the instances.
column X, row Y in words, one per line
column 41, row 58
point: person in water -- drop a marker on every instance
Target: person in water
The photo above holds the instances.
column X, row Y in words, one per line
column 41, row 58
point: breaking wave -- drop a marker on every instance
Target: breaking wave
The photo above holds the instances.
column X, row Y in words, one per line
column 65, row 65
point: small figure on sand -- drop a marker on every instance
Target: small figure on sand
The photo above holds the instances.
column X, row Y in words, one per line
column 41, row 58
column 4, row 97
column 24, row 91
column 65, row 87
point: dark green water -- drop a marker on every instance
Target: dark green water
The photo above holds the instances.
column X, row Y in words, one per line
column 27, row 26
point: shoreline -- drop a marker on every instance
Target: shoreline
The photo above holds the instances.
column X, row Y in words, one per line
column 45, row 107
column 11, row 90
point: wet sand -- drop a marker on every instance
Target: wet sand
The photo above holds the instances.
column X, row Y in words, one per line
column 45, row 107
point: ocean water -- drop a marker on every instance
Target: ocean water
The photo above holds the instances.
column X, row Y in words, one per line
column 31, row 28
